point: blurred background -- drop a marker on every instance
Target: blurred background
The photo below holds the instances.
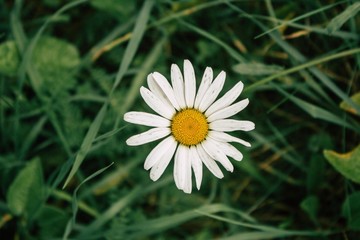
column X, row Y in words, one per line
column 69, row 70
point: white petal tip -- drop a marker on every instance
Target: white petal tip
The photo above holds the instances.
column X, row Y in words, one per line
column 155, row 74
column 128, row 142
column 142, row 89
column 187, row 191
column 153, row 177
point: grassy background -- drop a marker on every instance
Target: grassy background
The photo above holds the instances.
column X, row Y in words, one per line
column 69, row 70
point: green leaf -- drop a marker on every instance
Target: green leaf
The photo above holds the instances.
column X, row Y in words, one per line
column 310, row 205
column 51, row 221
column 320, row 141
column 256, row 69
column 346, row 106
column 26, row 193
column 348, row 164
column 52, row 54
column 315, row 173
column 57, row 62
column 351, row 211
column 340, row 19
column 9, row 61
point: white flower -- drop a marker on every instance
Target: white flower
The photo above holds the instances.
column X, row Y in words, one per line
column 194, row 124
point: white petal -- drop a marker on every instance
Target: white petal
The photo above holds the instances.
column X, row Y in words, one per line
column 180, row 166
column 230, row 150
column 213, row 91
column 224, row 137
column 158, row 169
column 148, row 136
column 158, row 152
column 209, row 162
column 196, row 166
column 177, row 165
column 190, row 83
column 226, row 100
column 156, row 89
column 216, row 153
column 204, row 86
column 228, row 111
column 178, row 85
column 229, row 125
column 187, row 167
column 166, row 88
column 146, row 119
column 156, row 104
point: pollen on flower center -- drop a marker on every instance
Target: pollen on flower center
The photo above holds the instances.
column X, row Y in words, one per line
column 189, row 127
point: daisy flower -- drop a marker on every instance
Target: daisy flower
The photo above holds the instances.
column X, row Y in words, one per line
column 194, row 125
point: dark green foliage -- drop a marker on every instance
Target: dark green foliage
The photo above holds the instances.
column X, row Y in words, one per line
column 69, row 70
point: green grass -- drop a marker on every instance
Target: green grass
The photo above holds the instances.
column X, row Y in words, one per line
column 70, row 70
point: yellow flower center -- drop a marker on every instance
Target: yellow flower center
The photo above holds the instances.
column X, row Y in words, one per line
column 189, row 127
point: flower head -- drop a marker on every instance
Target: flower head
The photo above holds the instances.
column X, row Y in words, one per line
column 194, row 125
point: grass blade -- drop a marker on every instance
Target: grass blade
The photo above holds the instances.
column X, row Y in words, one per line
column 337, row 22
column 31, row 137
column 312, row 29
column 266, row 229
column 206, row 34
column 75, row 203
column 317, row 112
column 256, row 69
column 87, row 142
column 133, row 45
column 290, row 22
column 303, row 66
column 162, row 224
column 111, row 212
column 300, row 58
column 139, row 79
column 129, row 54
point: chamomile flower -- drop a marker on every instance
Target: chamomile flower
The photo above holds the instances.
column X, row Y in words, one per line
column 194, row 125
